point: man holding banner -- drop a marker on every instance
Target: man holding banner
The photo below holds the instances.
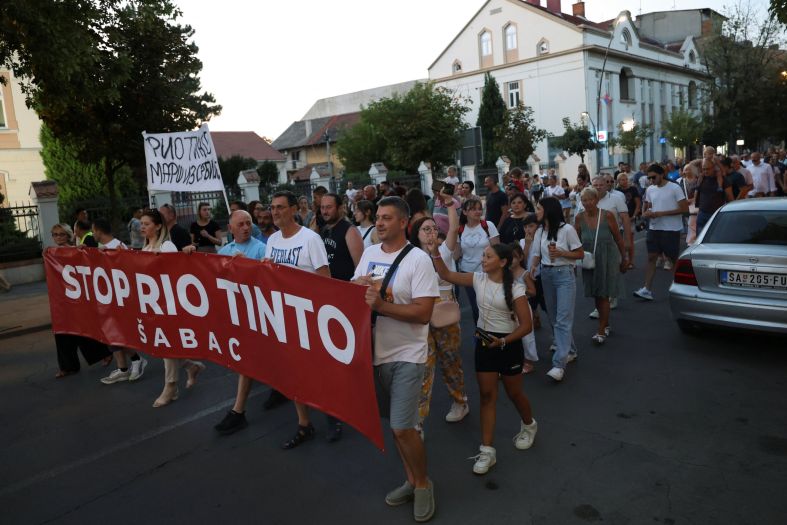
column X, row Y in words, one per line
column 297, row 247
column 402, row 291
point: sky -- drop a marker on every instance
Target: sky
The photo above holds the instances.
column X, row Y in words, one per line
column 268, row 61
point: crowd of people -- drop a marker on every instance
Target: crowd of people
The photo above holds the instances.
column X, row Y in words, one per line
column 507, row 256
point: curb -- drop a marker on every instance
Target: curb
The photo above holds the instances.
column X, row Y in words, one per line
column 24, row 331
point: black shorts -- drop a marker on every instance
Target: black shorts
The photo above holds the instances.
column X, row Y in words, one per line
column 507, row 362
column 666, row 242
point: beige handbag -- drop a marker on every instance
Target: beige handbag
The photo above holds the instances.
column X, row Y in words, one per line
column 445, row 313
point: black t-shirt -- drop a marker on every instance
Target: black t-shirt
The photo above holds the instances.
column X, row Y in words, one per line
column 212, row 228
column 512, row 229
column 494, row 206
column 90, row 241
column 339, row 260
column 709, row 196
column 179, row 237
column 631, row 194
column 737, row 181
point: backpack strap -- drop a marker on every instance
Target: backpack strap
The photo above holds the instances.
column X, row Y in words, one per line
column 485, row 226
column 390, row 273
column 365, row 235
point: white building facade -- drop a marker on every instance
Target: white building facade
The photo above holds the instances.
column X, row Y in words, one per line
column 553, row 62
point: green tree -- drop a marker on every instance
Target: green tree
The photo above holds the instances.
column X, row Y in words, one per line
column 518, row 135
column 424, row 124
column 576, row 139
column 632, row 139
column 779, row 10
column 491, row 115
column 232, row 166
column 268, row 172
column 683, row 129
column 78, row 183
column 746, row 71
column 138, row 71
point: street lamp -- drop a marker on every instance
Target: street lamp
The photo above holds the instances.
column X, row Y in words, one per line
column 618, row 20
column 327, row 139
column 628, row 124
column 585, row 115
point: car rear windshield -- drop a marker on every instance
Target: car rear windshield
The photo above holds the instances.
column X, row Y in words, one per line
column 748, row 227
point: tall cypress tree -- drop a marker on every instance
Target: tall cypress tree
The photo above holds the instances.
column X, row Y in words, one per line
column 490, row 115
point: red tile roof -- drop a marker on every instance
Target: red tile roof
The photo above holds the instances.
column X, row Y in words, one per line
column 244, row 143
column 334, row 125
column 576, row 20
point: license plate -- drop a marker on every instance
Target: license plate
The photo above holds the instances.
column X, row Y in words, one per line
column 754, row 280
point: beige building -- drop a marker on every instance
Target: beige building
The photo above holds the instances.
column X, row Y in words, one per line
column 20, row 145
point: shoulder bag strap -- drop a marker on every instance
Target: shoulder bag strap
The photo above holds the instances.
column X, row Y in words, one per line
column 598, row 225
column 365, row 235
column 394, row 266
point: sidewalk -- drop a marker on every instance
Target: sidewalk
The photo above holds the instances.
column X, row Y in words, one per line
column 24, row 309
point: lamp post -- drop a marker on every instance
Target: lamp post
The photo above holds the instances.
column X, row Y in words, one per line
column 601, row 83
column 585, row 115
column 327, row 138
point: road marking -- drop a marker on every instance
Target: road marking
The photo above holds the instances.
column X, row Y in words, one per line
column 57, row 471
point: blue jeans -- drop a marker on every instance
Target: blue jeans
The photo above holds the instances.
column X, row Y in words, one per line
column 702, row 220
column 560, row 291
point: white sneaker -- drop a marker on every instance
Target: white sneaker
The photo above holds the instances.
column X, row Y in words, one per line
column 527, row 434
column 457, row 413
column 486, row 459
column 572, row 356
column 137, row 368
column 553, row 348
column 613, row 303
column 667, row 264
column 644, row 293
column 116, row 376
column 594, row 314
column 556, row 373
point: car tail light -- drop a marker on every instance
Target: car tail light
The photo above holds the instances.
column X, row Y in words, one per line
column 684, row 273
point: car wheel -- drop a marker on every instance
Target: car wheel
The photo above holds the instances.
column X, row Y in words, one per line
column 688, row 328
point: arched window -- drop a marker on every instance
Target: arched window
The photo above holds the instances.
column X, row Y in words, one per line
column 456, row 67
column 510, row 33
column 692, row 57
column 692, row 95
column 626, row 80
column 542, row 48
column 625, row 38
column 485, row 42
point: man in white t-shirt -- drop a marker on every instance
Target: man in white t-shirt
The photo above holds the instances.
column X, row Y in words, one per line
column 665, row 203
column 763, row 177
column 351, row 193
column 297, row 247
column 400, row 342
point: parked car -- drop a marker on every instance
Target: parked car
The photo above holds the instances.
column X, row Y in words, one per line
column 735, row 275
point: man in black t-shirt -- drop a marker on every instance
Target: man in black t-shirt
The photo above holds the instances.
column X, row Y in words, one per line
column 179, row 235
column 735, row 178
column 496, row 202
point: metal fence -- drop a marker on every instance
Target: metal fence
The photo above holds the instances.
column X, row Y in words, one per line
column 480, row 175
column 187, row 206
column 20, row 233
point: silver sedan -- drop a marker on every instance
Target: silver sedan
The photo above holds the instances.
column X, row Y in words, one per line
column 735, row 275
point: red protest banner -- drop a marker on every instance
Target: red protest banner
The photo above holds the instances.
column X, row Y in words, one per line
column 307, row 336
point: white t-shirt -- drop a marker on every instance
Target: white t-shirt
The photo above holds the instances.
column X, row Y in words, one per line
column 762, row 178
column 665, row 198
column 530, row 256
column 493, row 312
column 166, row 247
column 305, row 250
column 451, row 180
column 557, row 191
column 415, row 277
column 616, row 203
column 367, row 239
column 567, row 240
column 474, row 241
column 115, row 244
column 448, row 259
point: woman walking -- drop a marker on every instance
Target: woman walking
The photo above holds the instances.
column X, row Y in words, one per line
column 364, row 217
column 445, row 336
column 305, row 213
column 157, row 241
column 557, row 250
column 504, row 321
column 205, row 231
column 513, row 227
column 600, row 236
column 474, row 236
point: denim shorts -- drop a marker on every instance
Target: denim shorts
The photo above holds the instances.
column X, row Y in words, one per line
column 399, row 392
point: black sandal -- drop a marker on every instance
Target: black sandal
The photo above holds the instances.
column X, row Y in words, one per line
column 303, row 434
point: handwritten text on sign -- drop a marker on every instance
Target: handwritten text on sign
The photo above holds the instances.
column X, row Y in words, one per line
column 278, row 325
column 184, row 161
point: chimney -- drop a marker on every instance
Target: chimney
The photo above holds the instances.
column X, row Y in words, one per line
column 579, row 9
column 308, row 128
column 554, row 6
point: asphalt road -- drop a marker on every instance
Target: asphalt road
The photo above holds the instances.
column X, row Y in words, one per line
column 655, row 427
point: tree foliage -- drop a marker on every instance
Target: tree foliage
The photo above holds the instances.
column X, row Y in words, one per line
column 424, row 124
column 683, row 129
column 231, row 167
column 779, row 10
column 747, row 73
column 491, row 115
column 576, row 139
column 632, row 139
column 518, row 135
column 99, row 72
column 268, row 172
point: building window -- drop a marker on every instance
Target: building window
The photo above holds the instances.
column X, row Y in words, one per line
column 626, row 84
column 3, row 123
column 692, row 95
column 513, row 94
column 543, row 47
column 486, row 44
column 625, row 38
column 510, row 37
column 456, row 67
column 692, row 57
